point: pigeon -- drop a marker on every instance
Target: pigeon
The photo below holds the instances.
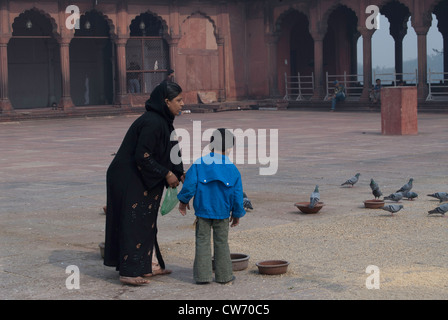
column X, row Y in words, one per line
column 352, row 180
column 375, row 189
column 315, row 197
column 377, row 193
column 439, row 210
column 246, row 202
column 392, row 208
column 442, row 196
column 410, row 195
column 407, row 187
column 394, row 196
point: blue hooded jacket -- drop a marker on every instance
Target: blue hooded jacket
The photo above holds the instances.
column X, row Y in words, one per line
column 215, row 183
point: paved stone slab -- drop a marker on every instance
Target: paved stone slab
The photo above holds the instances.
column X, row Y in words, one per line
column 52, row 190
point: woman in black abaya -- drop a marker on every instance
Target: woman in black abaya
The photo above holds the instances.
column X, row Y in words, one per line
column 136, row 179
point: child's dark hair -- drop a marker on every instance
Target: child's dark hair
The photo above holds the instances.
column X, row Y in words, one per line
column 222, row 139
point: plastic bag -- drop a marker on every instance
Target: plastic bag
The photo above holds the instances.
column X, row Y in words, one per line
column 170, row 201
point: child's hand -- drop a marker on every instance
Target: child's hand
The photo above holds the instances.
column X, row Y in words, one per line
column 183, row 208
column 234, row 221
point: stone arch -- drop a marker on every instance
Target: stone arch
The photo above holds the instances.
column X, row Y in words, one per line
column 434, row 4
column 164, row 25
column 331, row 9
column 105, row 17
column 91, row 65
column 440, row 9
column 425, row 15
column 200, row 13
column 383, row 3
column 285, row 14
column 34, row 44
column 199, row 61
column 397, row 4
column 295, row 48
column 340, row 40
column 398, row 14
column 53, row 27
column 147, row 53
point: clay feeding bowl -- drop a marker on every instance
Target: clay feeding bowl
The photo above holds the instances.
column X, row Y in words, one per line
column 240, row 261
column 374, row 204
column 272, row 267
column 304, row 207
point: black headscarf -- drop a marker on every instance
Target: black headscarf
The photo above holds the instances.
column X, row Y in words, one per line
column 156, row 103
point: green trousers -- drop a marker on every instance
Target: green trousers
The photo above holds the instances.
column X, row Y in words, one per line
column 202, row 267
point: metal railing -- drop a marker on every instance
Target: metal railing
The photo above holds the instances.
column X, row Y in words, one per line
column 353, row 86
column 298, row 85
column 437, row 89
column 409, row 78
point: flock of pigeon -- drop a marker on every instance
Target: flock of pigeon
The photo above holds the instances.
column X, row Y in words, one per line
column 403, row 192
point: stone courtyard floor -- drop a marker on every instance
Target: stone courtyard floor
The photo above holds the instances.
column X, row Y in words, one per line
column 52, row 193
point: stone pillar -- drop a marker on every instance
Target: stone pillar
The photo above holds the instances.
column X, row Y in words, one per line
column 5, row 103
column 121, row 96
column 445, row 51
column 399, row 111
column 271, row 40
column 5, row 36
column 398, row 36
column 222, row 69
column 51, row 84
column 441, row 12
column 66, row 102
column 367, row 62
column 354, row 52
column 398, row 16
column 319, row 78
column 101, row 94
column 173, row 43
column 122, row 99
column 422, row 83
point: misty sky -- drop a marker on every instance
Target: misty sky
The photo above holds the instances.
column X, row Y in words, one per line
column 383, row 44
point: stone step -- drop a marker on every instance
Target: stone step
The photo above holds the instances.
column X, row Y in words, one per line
column 267, row 104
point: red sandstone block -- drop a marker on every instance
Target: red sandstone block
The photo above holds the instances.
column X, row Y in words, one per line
column 399, row 111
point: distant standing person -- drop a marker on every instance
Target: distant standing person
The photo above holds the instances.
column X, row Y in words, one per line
column 339, row 94
column 135, row 181
column 170, row 76
column 134, row 78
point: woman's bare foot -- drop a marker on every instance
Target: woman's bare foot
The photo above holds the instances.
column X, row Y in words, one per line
column 134, row 281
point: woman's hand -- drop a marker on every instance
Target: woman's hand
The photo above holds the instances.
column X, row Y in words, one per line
column 172, row 180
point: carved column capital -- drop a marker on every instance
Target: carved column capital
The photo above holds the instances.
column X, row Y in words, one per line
column 365, row 32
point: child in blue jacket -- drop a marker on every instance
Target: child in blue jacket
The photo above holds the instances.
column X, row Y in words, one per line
column 215, row 183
